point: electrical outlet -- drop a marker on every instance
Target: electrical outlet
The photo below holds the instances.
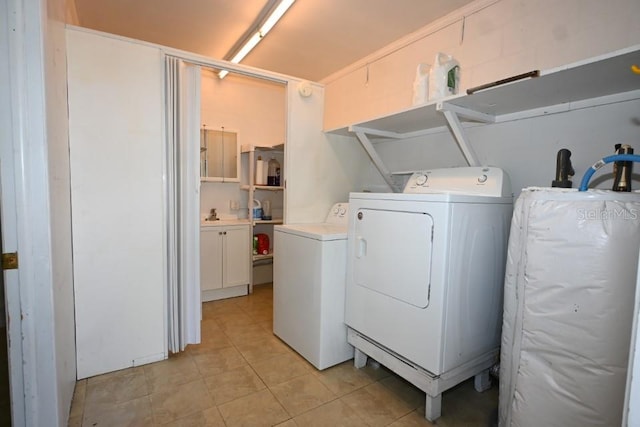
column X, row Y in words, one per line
column 234, row 205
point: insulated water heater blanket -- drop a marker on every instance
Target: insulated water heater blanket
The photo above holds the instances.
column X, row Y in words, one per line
column 568, row 307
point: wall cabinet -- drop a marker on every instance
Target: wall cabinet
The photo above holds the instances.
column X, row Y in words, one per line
column 224, row 260
column 219, row 155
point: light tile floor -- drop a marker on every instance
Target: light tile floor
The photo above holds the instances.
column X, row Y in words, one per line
column 242, row 375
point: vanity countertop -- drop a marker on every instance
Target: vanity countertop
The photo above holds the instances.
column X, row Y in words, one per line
column 223, row 222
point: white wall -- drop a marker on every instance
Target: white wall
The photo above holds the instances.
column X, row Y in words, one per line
column 503, row 39
column 256, row 110
column 321, row 169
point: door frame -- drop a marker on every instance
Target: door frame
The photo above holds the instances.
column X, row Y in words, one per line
column 25, row 211
column 11, row 173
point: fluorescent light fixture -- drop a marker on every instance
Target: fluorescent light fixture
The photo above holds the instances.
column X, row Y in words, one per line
column 250, row 44
column 275, row 16
column 267, row 25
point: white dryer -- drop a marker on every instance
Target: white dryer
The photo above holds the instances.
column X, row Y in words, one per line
column 309, row 271
column 425, row 275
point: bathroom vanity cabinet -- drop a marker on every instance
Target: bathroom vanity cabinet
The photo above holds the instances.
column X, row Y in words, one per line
column 224, row 259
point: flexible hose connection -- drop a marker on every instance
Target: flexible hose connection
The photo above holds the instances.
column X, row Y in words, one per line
column 584, row 184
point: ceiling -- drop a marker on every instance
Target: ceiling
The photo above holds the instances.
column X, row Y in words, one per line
column 313, row 40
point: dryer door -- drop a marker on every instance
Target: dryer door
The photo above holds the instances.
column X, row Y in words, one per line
column 393, row 254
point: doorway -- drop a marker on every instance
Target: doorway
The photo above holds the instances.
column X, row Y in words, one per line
column 255, row 109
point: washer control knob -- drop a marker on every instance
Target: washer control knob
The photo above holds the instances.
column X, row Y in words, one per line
column 342, row 211
column 421, row 179
column 482, row 179
column 336, row 211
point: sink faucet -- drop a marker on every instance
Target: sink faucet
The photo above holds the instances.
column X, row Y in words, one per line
column 213, row 216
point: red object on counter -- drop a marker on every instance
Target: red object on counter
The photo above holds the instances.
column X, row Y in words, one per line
column 263, row 243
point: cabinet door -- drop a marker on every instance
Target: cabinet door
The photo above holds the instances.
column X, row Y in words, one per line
column 236, row 257
column 211, row 258
column 219, row 155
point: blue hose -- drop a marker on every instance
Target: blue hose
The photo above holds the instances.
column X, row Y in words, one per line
column 584, row 184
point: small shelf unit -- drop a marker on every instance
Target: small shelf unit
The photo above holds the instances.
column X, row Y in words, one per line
column 251, row 188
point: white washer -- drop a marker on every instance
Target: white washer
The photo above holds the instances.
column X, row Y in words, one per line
column 425, row 276
column 309, row 288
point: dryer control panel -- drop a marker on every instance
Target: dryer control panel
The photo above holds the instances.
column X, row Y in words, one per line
column 473, row 180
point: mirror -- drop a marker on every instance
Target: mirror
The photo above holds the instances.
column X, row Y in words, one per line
column 219, row 155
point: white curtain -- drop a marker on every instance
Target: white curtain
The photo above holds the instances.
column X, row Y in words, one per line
column 183, row 207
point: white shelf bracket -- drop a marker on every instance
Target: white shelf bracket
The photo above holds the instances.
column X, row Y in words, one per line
column 461, row 138
column 377, row 161
column 376, row 132
column 467, row 113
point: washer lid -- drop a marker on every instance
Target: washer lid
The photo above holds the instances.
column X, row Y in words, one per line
column 318, row 231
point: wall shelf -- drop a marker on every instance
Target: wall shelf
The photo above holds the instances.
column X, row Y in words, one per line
column 597, row 81
column 602, row 76
column 268, row 256
column 246, row 148
column 267, row 221
column 598, row 77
